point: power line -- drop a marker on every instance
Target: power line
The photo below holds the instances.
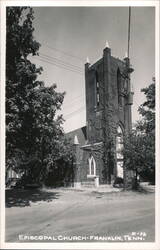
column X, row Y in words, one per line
column 63, row 52
column 60, row 61
column 55, row 62
column 65, row 108
column 58, row 65
column 77, row 97
column 74, row 112
column 70, row 103
column 138, row 105
column 61, row 64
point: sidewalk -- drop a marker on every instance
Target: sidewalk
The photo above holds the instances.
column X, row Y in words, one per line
column 102, row 189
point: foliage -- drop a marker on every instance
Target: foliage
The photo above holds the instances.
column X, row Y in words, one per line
column 147, row 110
column 118, row 182
column 34, row 136
column 139, row 150
column 139, row 153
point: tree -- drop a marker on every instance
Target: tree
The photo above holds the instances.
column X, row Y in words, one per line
column 34, row 136
column 20, row 76
column 147, row 110
column 139, row 147
column 60, row 165
column 139, row 154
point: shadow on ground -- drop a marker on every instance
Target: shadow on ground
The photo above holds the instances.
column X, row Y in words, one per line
column 145, row 190
column 23, row 198
column 122, row 193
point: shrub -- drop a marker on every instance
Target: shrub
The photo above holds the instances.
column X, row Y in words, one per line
column 118, row 182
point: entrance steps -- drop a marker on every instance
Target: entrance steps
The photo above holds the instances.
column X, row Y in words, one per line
column 88, row 184
column 104, row 188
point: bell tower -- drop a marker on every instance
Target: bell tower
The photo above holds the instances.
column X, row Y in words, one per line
column 107, row 83
column 108, row 102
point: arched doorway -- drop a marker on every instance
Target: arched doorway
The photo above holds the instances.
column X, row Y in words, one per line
column 119, row 151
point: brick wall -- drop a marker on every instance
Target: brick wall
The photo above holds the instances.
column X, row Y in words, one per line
column 107, row 107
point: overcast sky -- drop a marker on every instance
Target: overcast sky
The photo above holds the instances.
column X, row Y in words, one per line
column 69, row 34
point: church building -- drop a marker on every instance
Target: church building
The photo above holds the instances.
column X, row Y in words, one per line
column 99, row 145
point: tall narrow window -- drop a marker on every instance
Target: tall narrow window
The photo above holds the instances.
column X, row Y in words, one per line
column 97, row 87
column 97, row 90
column 119, row 88
column 92, row 166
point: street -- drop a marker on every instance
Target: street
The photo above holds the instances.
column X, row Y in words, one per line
column 79, row 215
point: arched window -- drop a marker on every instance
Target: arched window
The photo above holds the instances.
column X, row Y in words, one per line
column 92, row 166
column 119, row 151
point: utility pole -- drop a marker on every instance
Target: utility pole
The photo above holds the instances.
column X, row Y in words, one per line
column 129, row 71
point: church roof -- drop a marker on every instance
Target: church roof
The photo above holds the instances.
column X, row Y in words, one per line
column 80, row 133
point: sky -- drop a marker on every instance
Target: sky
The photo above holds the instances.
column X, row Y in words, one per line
column 68, row 35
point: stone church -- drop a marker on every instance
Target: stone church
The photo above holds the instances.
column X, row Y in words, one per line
column 99, row 145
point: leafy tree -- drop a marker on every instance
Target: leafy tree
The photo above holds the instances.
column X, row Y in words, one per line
column 60, row 165
column 34, row 136
column 139, row 154
column 147, row 110
column 139, row 147
column 20, row 76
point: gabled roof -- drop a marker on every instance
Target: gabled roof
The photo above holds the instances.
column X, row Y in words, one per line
column 80, row 133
